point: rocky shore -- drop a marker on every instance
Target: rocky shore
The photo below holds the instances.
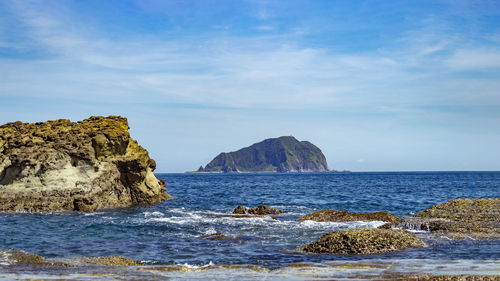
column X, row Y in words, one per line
column 21, row 265
column 458, row 219
column 82, row 166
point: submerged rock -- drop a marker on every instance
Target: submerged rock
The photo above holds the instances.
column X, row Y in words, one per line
column 110, row 261
column 343, row 216
column 261, row 210
column 19, row 257
column 364, row 241
column 83, row 166
column 458, row 218
column 215, row 236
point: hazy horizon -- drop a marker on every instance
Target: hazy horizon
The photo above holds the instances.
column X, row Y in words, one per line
column 376, row 85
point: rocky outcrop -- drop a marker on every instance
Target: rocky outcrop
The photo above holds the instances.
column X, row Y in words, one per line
column 364, row 241
column 23, row 258
column 343, row 216
column 458, row 218
column 261, row 210
column 283, row 154
column 83, row 166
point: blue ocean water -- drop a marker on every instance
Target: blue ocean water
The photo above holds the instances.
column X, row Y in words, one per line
column 175, row 231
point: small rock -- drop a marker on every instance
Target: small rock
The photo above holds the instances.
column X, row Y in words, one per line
column 240, row 210
column 264, row 210
column 261, row 210
column 215, row 236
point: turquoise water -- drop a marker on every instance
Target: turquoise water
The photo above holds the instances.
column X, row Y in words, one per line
column 174, row 231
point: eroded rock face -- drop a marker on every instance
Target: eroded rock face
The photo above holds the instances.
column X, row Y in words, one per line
column 343, row 216
column 364, row 241
column 458, row 218
column 84, row 166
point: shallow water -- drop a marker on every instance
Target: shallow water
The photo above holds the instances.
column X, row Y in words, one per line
column 174, row 232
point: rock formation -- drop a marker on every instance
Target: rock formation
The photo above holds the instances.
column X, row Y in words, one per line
column 458, row 218
column 84, row 166
column 23, row 258
column 283, row 154
column 364, row 241
column 343, row 216
column 261, row 210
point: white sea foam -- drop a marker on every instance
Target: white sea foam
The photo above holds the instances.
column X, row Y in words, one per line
column 197, row 266
column 246, row 223
column 4, row 258
column 210, row 231
column 153, row 214
column 413, row 230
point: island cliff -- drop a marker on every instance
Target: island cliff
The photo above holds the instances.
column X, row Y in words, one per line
column 84, row 166
column 283, row 154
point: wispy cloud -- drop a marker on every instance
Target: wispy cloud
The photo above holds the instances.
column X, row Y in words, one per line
column 431, row 74
column 274, row 71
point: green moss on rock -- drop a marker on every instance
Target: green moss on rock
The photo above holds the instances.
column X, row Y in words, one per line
column 84, row 166
column 343, row 216
column 458, row 218
column 364, row 241
column 465, row 210
column 19, row 257
column 111, row 260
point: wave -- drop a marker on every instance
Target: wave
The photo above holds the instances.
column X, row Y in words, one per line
column 200, row 218
column 4, row 258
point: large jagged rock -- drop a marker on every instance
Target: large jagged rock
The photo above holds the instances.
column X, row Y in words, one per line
column 458, row 218
column 343, row 216
column 283, row 154
column 84, row 166
column 364, row 241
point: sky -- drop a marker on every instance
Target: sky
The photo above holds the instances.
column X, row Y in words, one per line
column 376, row 85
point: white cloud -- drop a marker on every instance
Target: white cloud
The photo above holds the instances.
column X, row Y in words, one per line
column 252, row 72
column 474, row 59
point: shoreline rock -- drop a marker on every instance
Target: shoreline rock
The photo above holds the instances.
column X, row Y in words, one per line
column 329, row 215
column 362, row 241
column 458, row 218
column 82, row 166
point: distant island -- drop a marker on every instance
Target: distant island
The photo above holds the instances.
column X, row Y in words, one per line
column 283, row 154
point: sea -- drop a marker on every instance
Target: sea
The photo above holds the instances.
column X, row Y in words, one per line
column 177, row 233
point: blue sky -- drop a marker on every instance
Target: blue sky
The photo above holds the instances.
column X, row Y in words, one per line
column 377, row 85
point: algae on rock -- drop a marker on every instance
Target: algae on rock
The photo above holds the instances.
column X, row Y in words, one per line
column 364, row 241
column 458, row 218
column 343, row 216
column 84, row 166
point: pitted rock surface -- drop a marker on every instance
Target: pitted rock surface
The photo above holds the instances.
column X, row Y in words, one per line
column 84, row 166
